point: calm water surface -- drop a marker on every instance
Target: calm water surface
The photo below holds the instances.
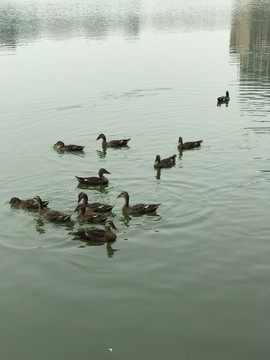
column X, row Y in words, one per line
column 190, row 282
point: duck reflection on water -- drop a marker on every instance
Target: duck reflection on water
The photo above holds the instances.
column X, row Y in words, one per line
column 40, row 225
column 109, row 248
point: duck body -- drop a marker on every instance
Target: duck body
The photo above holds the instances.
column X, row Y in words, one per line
column 60, row 145
column 93, row 207
column 112, row 143
column 89, row 216
column 29, row 204
column 101, row 180
column 52, row 215
column 224, row 98
column 189, row 144
column 164, row 163
column 98, row 235
column 138, row 208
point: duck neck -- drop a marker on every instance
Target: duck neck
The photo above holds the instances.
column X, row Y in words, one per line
column 40, row 205
column 101, row 175
column 126, row 204
column 85, row 200
column 104, row 141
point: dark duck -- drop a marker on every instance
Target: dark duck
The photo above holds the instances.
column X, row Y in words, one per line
column 138, row 208
column 93, row 180
column 112, row 143
column 98, row 235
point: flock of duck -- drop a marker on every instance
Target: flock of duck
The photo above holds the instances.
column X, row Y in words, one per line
column 96, row 212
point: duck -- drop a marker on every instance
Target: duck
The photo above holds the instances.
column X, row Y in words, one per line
column 98, row 235
column 224, row 98
column 90, row 216
column 101, row 180
column 52, row 215
column 29, row 204
column 112, row 143
column 164, row 163
column 60, row 145
column 96, row 207
column 189, row 144
column 138, row 208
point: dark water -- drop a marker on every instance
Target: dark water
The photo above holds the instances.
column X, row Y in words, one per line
column 190, row 282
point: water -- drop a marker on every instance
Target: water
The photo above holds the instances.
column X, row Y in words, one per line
column 190, row 282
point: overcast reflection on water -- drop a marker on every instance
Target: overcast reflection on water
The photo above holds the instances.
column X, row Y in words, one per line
column 24, row 22
column 250, row 49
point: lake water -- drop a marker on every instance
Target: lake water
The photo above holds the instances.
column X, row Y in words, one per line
column 189, row 282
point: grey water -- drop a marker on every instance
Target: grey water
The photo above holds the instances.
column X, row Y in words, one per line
column 188, row 282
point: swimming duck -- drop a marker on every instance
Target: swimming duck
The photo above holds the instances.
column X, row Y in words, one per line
column 90, row 216
column 98, row 235
column 101, row 180
column 96, row 207
column 112, row 143
column 164, row 163
column 60, row 145
column 52, row 215
column 29, row 204
column 223, row 98
column 138, row 208
column 189, row 144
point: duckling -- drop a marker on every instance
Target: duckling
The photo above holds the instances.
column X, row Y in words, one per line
column 164, row 163
column 52, row 215
column 96, row 207
column 29, row 204
column 112, row 143
column 223, row 98
column 98, row 235
column 138, row 208
column 60, row 145
column 90, row 216
column 101, row 180
column 189, row 144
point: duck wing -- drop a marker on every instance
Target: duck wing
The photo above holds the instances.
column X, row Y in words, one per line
column 115, row 143
column 74, row 147
column 93, row 217
column 90, row 234
column 98, row 207
column 55, row 215
column 143, row 208
column 168, row 161
column 192, row 144
column 90, row 180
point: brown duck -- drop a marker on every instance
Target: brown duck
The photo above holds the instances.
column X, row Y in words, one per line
column 112, row 143
column 138, row 208
column 98, row 235
column 96, row 207
column 52, row 215
column 101, row 180
column 60, row 145
column 29, row 204
column 189, row 144
column 224, row 98
column 164, row 163
column 89, row 216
